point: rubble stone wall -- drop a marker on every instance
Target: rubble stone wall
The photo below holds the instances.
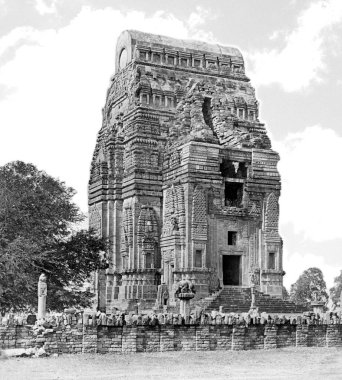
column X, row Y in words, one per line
column 111, row 339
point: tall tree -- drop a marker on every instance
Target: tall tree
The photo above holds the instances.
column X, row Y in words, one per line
column 36, row 235
column 336, row 290
column 309, row 282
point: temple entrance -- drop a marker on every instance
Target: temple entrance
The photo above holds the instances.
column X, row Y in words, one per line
column 231, row 270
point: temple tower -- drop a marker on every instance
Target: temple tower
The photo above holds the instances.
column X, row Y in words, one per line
column 183, row 181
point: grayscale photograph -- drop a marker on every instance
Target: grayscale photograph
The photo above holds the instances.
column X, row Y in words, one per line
column 170, row 189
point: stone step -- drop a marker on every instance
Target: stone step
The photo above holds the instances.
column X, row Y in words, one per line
column 235, row 299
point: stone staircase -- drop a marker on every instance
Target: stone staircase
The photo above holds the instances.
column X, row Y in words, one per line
column 236, row 299
column 204, row 303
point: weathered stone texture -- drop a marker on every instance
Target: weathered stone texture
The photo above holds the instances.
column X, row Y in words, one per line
column 183, row 179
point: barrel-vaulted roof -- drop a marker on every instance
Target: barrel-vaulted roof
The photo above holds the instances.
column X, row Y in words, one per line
column 129, row 39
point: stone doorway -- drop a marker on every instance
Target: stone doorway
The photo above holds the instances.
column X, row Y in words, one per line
column 231, row 269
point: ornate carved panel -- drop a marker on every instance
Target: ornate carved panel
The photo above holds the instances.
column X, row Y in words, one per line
column 199, row 222
column 272, row 213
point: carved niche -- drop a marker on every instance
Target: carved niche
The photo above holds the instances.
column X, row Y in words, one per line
column 174, row 211
column 147, row 235
column 126, row 234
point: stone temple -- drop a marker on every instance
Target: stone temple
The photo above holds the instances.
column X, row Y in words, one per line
column 184, row 180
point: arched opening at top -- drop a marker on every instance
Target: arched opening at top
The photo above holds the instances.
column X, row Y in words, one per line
column 123, row 59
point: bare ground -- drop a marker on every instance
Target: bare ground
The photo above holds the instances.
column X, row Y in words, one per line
column 289, row 363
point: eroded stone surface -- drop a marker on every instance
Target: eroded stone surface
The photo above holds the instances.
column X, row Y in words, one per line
column 183, row 181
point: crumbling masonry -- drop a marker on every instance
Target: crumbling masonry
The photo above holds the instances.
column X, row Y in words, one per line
column 183, row 181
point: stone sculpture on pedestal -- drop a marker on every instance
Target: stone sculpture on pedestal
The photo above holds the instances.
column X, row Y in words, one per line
column 185, row 292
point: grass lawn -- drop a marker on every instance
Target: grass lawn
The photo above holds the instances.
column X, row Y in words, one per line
column 289, row 363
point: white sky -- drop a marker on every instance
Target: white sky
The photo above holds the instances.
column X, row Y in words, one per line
column 56, row 58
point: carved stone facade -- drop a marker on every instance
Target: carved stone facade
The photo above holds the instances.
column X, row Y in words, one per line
column 183, row 181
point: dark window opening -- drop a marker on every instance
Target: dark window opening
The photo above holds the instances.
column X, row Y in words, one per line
column 157, row 279
column 242, row 170
column 142, row 55
column 184, row 62
column 170, row 60
column 198, row 258
column 271, row 260
column 232, row 236
column 148, row 258
column 206, row 110
column 233, row 194
column 231, row 268
column 233, row 169
column 228, row 169
column 197, row 63
column 156, row 58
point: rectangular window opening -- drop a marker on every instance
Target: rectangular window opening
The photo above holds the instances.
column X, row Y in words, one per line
column 232, row 236
column 207, row 114
column 170, row 60
column 197, row 63
column 148, row 258
column 233, row 169
column 233, row 194
column 198, row 258
column 271, row 260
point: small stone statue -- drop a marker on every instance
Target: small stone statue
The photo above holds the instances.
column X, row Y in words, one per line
column 185, row 286
column 174, row 223
column 162, row 296
column 254, row 277
column 165, row 296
